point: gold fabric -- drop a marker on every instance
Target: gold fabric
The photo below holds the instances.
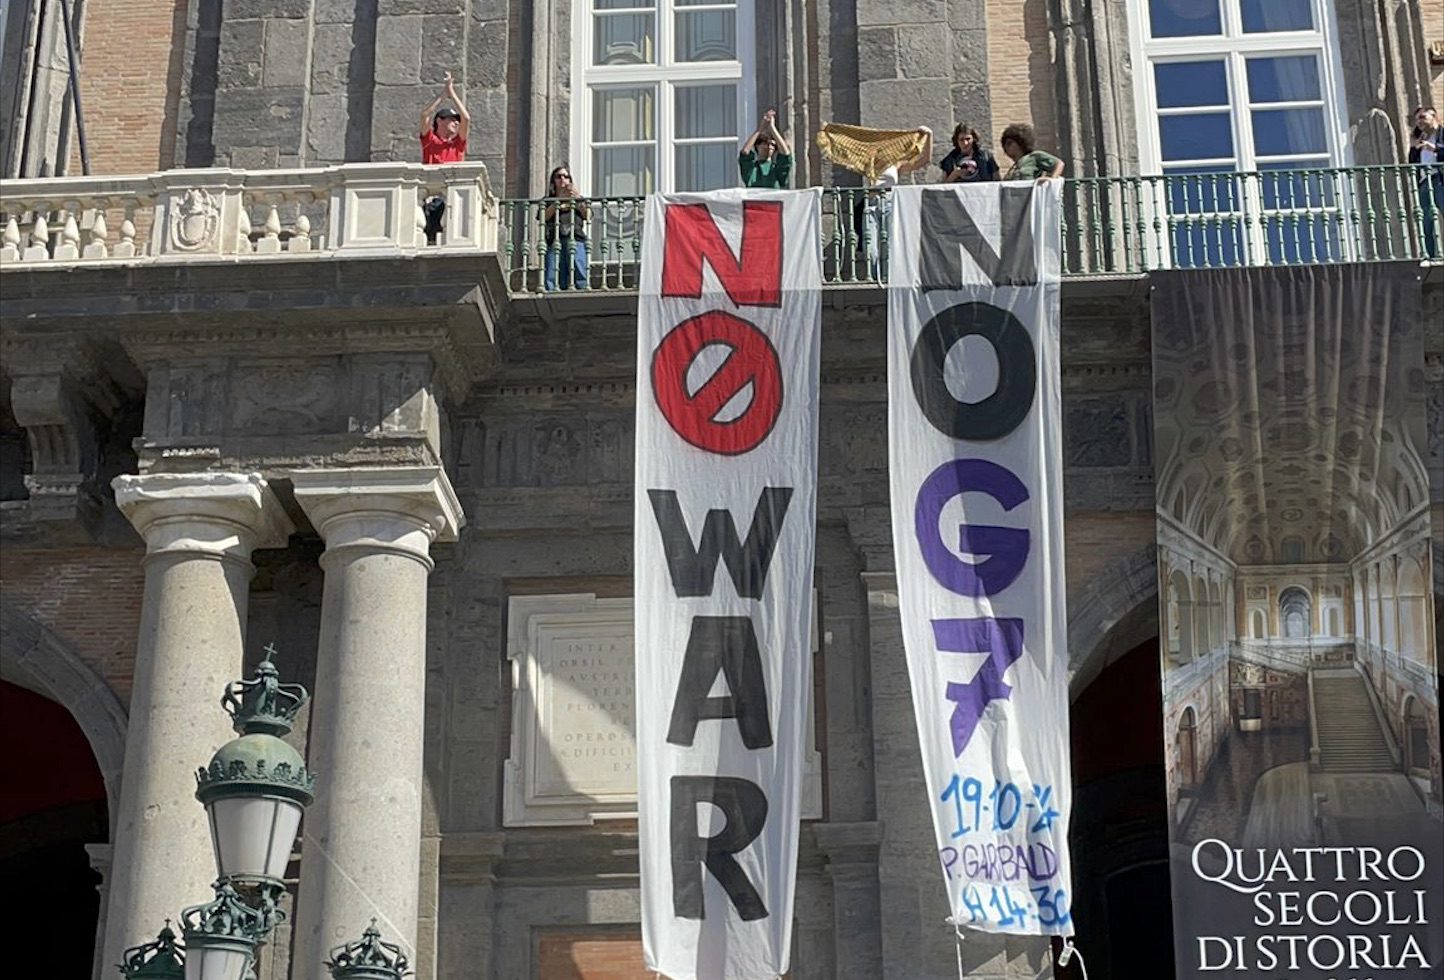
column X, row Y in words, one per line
column 869, row 151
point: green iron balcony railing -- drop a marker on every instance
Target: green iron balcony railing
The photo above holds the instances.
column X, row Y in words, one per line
column 1112, row 226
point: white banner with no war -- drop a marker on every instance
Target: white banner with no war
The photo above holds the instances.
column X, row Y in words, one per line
column 976, row 471
column 726, row 485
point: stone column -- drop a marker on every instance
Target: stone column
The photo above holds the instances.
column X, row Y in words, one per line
column 361, row 855
column 199, row 531
column 852, row 850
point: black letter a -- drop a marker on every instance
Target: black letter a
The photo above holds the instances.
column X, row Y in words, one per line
column 727, row 644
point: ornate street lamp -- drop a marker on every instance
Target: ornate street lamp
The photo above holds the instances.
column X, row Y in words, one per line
column 255, row 789
column 162, row 959
column 368, row 959
column 254, row 792
column 222, row 936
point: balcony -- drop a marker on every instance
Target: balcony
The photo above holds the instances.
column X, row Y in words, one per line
column 1112, row 226
column 355, row 210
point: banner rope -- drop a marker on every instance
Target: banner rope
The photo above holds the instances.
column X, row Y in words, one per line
column 1065, row 956
column 958, row 943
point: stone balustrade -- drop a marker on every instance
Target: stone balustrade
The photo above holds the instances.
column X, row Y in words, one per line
column 200, row 215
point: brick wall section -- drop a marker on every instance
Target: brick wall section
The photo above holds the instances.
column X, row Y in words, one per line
column 89, row 597
column 130, row 84
column 1020, row 70
column 1095, row 540
column 588, row 956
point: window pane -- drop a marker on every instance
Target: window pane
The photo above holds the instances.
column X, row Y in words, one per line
column 706, row 110
column 1277, row 15
column 1205, row 136
column 624, row 171
column 707, row 35
column 622, row 4
column 1289, row 132
column 623, row 39
column 706, row 167
column 1184, row 18
column 623, row 115
column 1293, row 79
column 1191, row 83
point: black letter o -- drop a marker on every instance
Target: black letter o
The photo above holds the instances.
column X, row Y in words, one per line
column 1003, row 410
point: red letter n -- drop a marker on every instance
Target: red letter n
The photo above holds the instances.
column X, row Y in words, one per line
column 692, row 235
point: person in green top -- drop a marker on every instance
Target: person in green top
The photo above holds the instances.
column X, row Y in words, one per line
column 1029, row 163
column 766, row 159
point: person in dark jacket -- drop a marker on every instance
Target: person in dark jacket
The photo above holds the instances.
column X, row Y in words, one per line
column 968, row 162
column 565, row 217
column 1426, row 150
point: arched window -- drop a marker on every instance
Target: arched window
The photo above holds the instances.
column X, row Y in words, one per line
column 1258, row 624
column 1295, row 610
column 1416, row 738
column 1186, row 744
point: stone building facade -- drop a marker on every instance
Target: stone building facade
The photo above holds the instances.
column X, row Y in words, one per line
column 413, row 475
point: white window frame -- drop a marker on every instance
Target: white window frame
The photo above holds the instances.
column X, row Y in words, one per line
column 1234, row 47
column 666, row 76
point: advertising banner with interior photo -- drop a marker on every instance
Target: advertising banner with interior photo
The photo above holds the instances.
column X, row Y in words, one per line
column 1300, row 661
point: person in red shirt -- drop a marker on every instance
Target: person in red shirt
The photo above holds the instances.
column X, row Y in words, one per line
column 443, row 142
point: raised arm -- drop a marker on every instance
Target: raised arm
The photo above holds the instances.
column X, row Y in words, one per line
column 426, row 114
column 924, row 158
column 769, row 120
column 465, row 129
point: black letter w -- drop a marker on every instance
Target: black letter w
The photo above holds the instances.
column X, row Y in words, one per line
column 693, row 569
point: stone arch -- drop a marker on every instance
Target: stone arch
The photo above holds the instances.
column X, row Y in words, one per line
column 1389, row 604
column 1115, row 612
column 1413, row 602
column 1258, row 624
column 34, row 657
column 1414, row 726
column 1296, row 613
column 1185, row 747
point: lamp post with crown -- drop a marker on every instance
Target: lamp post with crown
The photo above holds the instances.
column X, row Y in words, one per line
column 254, row 791
column 368, row 959
column 162, row 959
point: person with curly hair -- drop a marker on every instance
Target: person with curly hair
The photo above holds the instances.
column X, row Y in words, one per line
column 968, row 162
column 1029, row 163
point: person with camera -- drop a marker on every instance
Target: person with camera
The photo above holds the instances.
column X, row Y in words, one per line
column 565, row 220
column 1426, row 151
column 968, row 162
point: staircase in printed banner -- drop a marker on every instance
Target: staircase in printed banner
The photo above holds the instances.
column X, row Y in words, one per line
column 1349, row 736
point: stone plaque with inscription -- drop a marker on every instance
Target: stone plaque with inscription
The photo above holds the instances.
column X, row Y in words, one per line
column 573, row 750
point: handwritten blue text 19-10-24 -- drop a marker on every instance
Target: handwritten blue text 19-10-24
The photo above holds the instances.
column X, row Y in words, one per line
column 1007, row 882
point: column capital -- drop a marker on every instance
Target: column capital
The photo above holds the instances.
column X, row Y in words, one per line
column 398, row 508
column 223, row 514
column 849, row 843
